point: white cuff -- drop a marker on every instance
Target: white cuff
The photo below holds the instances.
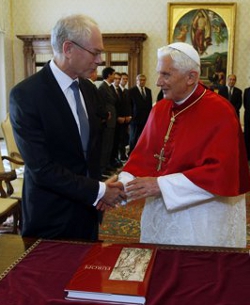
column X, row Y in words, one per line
column 124, row 178
column 178, row 191
column 102, row 190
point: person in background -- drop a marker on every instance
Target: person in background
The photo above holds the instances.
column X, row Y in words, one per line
column 55, row 128
column 124, row 140
column 159, row 96
column 99, row 104
column 190, row 161
column 232, row 93
column 92, row 94
column 109, row 98
column 246, row 103
column 141, row 104
column 123, row 112
column 115, row 158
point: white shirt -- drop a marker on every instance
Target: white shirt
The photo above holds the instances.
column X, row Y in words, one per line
column 64, row 81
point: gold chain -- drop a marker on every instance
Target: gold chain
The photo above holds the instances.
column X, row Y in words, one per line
column 172, row 120
column 160, row 156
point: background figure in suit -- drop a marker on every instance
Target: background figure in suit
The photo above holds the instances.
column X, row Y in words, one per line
column 101, row 111
column 246, row 103
column 232, row 93
column 92, row 94
column 126, row 110
column 109, row 99
column 115, row 160
column 141, row 105
column 159, row 96
column 123, row 112
column 62, row 197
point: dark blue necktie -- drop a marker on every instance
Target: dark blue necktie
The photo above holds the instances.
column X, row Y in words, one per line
column 230, row 92
column 83, row 120
column 143, row 93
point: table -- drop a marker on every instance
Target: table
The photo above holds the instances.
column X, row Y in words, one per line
column 181, row 275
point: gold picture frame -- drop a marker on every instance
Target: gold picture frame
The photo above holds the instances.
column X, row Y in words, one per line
column 210, row 28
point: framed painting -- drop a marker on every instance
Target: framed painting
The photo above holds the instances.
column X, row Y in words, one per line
column 210, row 28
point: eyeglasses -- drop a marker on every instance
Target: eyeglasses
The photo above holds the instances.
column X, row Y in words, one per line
column 95, row 54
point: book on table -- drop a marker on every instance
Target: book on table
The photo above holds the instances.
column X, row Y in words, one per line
column 113, row 273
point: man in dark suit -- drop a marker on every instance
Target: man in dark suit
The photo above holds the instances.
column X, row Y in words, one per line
column 159, row 96
column 141, row 104
column 109, row 99
column 246, row 103
column 126, row 115
column 90, row 84
column 62, row 197
column 115, row 160
column 89, row 88
column 232, row 93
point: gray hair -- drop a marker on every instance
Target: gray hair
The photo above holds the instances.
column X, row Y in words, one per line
column 181, row 61
column 139, row 76
column 74, row 27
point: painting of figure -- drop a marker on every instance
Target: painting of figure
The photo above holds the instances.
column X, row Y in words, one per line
column 201, row 31
column 207, row 32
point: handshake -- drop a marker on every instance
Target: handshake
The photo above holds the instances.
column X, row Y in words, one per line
column 137, row 188
column 114, row 195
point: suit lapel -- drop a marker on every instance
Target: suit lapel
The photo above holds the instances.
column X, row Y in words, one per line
column 57, row 97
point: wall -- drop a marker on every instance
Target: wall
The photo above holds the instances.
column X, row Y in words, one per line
column 6, row 63
column 140, row 16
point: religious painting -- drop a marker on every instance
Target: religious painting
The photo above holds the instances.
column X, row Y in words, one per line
column 210, row 28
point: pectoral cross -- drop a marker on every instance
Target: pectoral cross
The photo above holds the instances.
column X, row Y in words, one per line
column 161, row 159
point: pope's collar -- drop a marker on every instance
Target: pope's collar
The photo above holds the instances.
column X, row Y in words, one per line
column 183, row 100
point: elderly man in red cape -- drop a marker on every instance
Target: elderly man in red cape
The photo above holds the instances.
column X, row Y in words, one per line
column 190, row 161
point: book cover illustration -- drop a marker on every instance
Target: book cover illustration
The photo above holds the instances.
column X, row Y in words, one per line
column 131, row 264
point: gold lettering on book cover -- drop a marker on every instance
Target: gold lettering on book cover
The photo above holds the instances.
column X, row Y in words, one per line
column 97, row 267
column 131, row 264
